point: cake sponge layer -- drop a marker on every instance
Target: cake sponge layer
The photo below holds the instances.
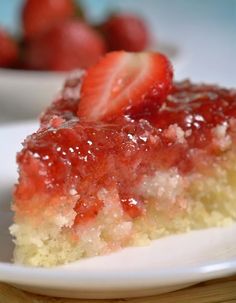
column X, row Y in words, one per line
column 173, row 204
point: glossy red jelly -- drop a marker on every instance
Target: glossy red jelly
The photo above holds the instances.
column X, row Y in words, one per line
column 67, row 154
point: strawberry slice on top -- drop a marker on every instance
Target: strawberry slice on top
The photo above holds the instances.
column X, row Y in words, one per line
column 122, row 81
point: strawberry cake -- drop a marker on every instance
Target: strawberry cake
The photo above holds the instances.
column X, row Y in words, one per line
column 122, row 157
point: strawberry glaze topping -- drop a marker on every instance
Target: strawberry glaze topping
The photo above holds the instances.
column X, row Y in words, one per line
column 90, row 156
column 68, row 155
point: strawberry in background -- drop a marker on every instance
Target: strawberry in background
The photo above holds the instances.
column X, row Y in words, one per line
column 65, row 46
column 57, row 37
column 39, row 15
column 8, row 50
column 126, row 32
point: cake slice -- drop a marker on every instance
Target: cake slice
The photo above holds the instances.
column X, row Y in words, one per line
column 122, row 157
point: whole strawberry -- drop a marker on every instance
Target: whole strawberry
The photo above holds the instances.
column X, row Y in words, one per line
column 39, row 15
column 126, row 32
column 69, row 45
column 8, row 50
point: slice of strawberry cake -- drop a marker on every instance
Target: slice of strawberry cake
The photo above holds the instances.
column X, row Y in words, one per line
column 122, row 157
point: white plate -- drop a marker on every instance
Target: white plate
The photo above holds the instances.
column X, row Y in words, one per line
column 167, row 264
column 24, row 94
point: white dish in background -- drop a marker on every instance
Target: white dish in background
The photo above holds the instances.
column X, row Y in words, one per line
column 24, row 94
column 167, row 264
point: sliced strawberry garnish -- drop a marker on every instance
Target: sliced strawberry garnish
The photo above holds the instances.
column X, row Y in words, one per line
column 122, row 81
